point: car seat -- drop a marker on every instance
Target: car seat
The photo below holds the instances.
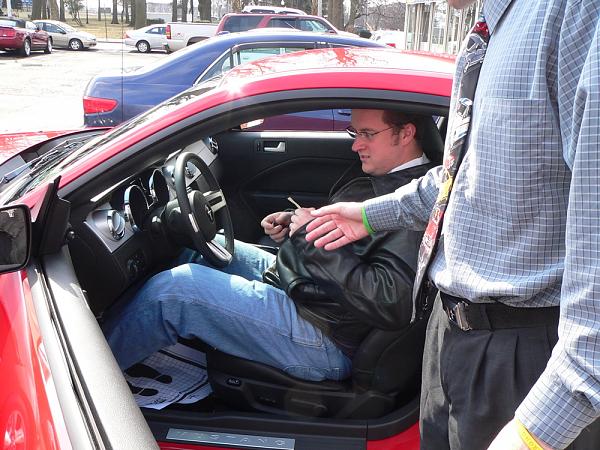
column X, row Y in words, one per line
column 386, row 373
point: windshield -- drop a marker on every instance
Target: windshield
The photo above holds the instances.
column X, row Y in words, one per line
column 8, row 23
column 50, row 166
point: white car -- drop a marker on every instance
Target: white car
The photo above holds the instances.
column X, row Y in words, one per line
column 271, row 10
column 392, row 38
column 152, row 37
column 65, row 36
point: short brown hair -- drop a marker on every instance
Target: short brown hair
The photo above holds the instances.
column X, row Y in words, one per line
column 398, row 119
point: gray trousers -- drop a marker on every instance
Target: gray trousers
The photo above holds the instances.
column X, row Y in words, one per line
column 474, row 381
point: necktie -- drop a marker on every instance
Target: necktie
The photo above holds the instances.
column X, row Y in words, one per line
column 456, row 146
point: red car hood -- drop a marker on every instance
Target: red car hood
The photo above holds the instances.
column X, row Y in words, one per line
column 14, row 143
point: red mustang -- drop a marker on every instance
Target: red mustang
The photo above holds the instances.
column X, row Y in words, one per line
column 83, row 224
column 23, row 36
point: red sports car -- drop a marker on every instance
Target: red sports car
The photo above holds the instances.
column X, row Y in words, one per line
column 23, row 36
column 83, row 223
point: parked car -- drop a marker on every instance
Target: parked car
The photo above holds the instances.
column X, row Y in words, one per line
column 23, row 36
column 235, row 22
column 75, row 255
column 393, row 38
column 146, row 39
column 181, row 34
column 114, row 97
column 266, row 9
column 65, row 36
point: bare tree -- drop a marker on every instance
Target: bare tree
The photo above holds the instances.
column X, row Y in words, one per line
column 99, row 11
column 204, row 10
column 335, row 13
column 192, row 9
column 115, row 17
column 184, row 9
column 61, row 11
column 140, row 14
column 36, row 9
column 53, row 9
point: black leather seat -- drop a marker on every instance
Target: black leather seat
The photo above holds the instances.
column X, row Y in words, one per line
column 386, row 373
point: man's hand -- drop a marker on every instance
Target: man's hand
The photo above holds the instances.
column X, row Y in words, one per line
column 336, row 225
column 301, row 216
column 276, row 225
column 509, row 439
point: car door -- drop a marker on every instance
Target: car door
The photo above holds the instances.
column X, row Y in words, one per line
column 59, row 36
column 265, row 167
column 38, row 39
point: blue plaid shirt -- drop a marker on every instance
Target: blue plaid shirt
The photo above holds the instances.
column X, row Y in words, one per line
column 523, row 221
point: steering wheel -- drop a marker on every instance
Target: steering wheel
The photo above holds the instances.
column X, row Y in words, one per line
column 204, row 213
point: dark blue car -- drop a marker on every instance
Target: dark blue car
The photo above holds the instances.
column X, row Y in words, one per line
column 112, row 98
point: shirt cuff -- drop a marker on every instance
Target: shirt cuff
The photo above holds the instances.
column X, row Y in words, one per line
column 553, row 414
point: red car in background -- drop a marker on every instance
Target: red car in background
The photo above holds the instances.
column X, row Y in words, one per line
column 23, row 36
column 86, row 218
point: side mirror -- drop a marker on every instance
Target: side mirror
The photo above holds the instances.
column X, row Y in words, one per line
column 15, row 237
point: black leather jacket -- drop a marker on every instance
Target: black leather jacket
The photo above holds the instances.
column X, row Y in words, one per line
column 366, row 285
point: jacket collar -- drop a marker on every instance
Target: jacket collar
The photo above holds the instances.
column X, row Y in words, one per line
column 493, row 11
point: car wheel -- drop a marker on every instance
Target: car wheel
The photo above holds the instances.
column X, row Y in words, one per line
column 48, row 48
column 26, row 50
column 143, row 47
column 75, row 44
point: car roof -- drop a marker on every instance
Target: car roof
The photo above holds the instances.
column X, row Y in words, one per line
column 343, row 59
column 279, row 16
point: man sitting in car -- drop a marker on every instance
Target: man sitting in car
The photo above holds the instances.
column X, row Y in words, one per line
column 308, row 315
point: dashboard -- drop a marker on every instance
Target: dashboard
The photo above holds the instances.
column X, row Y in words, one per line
column 125, row 236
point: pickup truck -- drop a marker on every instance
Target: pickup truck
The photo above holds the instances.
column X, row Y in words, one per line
column 182, row 34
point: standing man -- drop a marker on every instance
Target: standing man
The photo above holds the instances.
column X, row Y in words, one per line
column 517, row 245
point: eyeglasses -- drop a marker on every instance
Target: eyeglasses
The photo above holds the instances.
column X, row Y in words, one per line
column 366, row 135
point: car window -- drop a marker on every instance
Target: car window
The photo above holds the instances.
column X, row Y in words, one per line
column 8, row 23
column 283, row 22
column 312, row 25
column 245, row 55
column 51, row 28
column 156, row 30
column 241, row 23
column 30, row 26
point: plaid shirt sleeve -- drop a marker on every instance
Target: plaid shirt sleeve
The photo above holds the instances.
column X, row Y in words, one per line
column 566, row 398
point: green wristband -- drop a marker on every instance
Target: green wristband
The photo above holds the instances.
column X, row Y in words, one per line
column 365, row 221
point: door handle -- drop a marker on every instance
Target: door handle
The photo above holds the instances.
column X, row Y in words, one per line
column 274, row 147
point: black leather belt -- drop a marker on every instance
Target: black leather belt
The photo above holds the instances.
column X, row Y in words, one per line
column 494, row 316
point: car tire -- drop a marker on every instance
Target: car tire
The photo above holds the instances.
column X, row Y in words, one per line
column 75, row 45
column 48, row 48
column 26, row 49
column 143, row 47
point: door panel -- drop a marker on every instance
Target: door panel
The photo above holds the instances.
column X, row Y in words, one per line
column 261, row 169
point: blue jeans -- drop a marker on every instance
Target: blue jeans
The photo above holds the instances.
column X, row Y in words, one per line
column 231, row 310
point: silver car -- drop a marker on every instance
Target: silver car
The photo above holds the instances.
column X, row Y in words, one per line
column 145, row 39
column 65, row 36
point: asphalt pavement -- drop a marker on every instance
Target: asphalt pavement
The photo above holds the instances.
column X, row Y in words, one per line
column 45, row 92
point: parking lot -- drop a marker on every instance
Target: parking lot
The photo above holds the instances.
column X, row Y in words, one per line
column 44, row 92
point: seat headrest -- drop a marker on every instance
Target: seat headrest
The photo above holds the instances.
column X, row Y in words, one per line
column 432, row 143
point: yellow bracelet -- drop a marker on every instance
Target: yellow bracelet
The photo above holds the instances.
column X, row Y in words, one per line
column 527, row 437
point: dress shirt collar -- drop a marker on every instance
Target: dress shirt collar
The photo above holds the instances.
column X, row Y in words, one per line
column 493, row 10
column 412, row 163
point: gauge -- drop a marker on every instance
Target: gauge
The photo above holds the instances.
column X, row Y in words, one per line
column 136, row 206
column 158, row 188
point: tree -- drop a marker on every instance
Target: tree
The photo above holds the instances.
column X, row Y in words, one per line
column 74, row 6
column 53, row 9
column 336, row 13
column 115, row 17
column 174, row 11
column 204, row 10
column 184, row 10
column 36, row 9
column 61, row 11
column 140, row 14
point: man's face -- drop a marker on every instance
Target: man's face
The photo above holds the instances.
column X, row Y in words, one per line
column 381, row 152
column 459, row 4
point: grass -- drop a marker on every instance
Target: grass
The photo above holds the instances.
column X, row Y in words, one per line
column 101, row 29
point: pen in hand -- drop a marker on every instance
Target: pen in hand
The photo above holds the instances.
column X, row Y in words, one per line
column 293, row 202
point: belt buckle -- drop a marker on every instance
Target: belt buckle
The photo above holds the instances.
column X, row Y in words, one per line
column 458, row 315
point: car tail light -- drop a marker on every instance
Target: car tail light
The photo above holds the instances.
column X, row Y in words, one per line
column 92, row 105
column 391, row 44
column 168, row 31
column 8, row 32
